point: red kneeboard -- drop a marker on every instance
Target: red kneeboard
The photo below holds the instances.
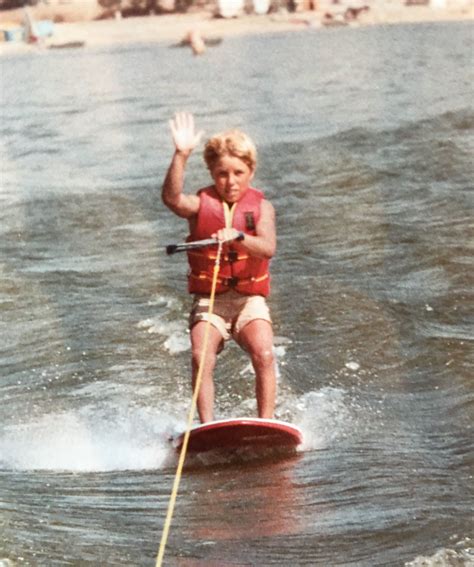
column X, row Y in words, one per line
column 238, row 433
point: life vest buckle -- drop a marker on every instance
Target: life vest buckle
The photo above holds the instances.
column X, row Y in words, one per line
column 232, row 256
column 231, row 282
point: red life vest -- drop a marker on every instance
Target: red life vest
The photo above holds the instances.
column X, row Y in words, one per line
column 246, row 274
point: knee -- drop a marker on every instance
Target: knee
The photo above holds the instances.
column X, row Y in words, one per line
column 263, row 357
column 197, row 352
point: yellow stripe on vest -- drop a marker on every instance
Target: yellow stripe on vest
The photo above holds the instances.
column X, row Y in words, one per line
column 228, row 213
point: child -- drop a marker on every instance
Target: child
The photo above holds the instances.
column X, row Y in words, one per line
column 239, row 216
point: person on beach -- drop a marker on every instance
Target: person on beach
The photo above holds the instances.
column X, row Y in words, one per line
column 241, row 219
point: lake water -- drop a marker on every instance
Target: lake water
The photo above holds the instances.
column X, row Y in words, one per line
column 365, row 141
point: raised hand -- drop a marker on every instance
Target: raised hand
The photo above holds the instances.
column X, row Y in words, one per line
column 184, row 134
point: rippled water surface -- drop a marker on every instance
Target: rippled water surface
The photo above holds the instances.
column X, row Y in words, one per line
column 365, row 141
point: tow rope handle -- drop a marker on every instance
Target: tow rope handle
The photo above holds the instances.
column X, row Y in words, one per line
column 185, row 246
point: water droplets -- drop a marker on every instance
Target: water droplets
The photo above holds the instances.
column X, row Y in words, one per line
column 91, row 439
column 169, row 323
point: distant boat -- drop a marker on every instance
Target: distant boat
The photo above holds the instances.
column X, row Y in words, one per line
column 36, row 30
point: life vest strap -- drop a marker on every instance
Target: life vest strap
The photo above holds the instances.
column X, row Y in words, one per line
column 232, row 282
column 230, row 256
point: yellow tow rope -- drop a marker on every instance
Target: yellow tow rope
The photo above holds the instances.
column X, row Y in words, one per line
column 192, row 411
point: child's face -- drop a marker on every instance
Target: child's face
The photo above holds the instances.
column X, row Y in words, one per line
column 231, row 177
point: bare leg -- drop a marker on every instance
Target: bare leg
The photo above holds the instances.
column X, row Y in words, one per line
column 257, row 339
column 205, row 401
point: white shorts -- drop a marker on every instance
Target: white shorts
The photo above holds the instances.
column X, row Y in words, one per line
column 232, row 311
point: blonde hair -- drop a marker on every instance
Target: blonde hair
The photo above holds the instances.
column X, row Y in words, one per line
column 230, row 143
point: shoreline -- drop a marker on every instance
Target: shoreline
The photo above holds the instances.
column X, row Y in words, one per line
column 172, row 28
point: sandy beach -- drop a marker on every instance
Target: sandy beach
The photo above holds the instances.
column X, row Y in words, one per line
column 172, row 28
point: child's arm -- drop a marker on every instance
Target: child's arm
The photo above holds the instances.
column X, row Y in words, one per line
column 185, row 140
